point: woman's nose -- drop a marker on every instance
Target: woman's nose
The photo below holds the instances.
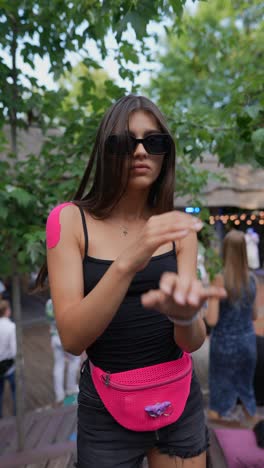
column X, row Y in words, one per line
column 140, row 150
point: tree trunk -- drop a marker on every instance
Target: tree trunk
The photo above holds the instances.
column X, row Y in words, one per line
column 20, row 397
column 16, row 288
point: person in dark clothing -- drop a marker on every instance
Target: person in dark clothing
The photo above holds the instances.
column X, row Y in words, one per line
column 233, row 355
column 122, row 274
column 259, row 372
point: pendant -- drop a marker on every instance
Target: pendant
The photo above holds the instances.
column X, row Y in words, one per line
column 124, row 230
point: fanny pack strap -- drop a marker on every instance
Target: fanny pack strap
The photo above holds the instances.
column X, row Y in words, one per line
column 91, row 366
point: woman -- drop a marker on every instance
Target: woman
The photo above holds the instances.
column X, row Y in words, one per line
column 112, row 255
column 233, row 341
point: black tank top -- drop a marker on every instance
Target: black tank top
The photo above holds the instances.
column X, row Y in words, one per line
column 136, row 337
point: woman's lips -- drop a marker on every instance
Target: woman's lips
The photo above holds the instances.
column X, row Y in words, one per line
column 140, row 168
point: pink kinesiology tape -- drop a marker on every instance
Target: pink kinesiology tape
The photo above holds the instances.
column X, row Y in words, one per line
column 53, row 227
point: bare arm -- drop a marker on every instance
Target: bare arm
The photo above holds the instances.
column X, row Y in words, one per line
column 80, row 319
column 192, row 337
column 181, row 296
column 212, row 313
column 255, row 312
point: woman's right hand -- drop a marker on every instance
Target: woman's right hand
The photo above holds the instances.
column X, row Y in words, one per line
column 158, row 230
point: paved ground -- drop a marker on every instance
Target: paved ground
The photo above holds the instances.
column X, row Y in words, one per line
column 50, row 439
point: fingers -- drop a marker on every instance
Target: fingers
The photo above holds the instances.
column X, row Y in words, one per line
column 190, row 292
column 194, row 293
column 171, row 284
column 180, row 220
column 198, row 294
column 172, row 226
column 167, row 283
column 213, row 292
column 152, row 299
column 169, row 227
column 180, row 297
column 187, row 224
column 181, row 230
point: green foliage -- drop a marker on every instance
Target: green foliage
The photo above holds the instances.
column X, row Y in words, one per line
column 213, row 262
column 69, row 118
column 211, row 82
column 87, row 86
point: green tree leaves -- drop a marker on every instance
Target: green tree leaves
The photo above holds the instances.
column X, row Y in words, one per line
column 211, row 82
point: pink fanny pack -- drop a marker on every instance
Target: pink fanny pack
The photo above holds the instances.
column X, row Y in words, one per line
column 148, row 398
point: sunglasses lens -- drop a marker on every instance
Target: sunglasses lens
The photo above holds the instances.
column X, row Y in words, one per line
column 157, row 144
column 120, row 145
column 116, row 145
column 125, row 144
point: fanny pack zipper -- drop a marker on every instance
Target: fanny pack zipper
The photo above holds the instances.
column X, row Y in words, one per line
column 106, row 378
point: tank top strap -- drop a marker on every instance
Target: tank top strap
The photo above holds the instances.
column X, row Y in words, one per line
column 85, row 231
column 175, row 254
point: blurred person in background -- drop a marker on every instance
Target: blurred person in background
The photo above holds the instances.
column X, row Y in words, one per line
column 202, row 273
column 2, row 288
column 7, row 353
column 252, row 243
column 233, row 355
column 201, row 355
column 62, row 358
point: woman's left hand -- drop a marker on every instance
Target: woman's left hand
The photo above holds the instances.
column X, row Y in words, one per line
column 179, row 297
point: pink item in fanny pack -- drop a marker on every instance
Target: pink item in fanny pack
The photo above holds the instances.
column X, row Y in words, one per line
column 148, row 398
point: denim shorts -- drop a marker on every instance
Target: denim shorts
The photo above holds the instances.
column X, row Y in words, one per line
column 102, row 442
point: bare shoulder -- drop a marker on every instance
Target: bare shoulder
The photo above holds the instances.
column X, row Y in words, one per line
column 63, row 218
column 67, row 209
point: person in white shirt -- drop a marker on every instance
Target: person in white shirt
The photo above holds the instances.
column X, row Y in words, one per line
column 7, row 352
column 2, row 288
column 60, row 359
column 252, row 241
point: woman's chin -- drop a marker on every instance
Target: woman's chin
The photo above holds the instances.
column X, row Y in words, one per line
column 139, row 183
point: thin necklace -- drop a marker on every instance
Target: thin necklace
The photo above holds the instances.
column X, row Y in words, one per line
column 124, row 230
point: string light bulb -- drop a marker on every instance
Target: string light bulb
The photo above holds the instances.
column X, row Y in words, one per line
column 248, row 218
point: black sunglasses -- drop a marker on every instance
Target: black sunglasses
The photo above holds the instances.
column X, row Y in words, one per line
column 125, row 144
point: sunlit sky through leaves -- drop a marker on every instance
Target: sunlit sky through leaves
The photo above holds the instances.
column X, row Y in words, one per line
column 43, row 76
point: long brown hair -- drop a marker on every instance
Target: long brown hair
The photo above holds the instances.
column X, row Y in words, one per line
column 4, row 305
column 236, row 271
column 106, row 178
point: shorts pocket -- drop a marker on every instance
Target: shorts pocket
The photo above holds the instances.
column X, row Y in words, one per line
column 88, row 395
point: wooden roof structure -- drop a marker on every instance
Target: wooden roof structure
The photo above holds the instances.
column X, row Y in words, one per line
column 243, row 186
